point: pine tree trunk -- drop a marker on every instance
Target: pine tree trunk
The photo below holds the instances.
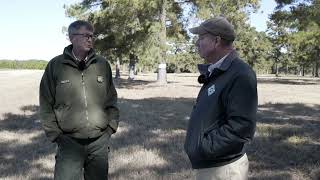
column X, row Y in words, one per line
column 300, row 71
column 317, row 69
column 162, row 72
column 132, row 65
column 313, row 70
column 117, row 69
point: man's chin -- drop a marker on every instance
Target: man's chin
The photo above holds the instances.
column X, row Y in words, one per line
column 202, row 56
column 87, row 49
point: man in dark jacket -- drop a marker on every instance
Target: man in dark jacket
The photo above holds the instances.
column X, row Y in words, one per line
column 78, row 107
column 223, row 119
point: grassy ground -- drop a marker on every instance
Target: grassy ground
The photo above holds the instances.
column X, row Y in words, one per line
column 149, row 143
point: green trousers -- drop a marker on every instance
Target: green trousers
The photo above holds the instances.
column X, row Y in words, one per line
column 82, row 157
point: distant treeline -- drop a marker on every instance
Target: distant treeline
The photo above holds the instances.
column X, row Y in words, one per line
column 27, row 64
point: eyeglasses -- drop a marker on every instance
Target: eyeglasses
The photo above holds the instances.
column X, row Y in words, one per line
column 87, row 36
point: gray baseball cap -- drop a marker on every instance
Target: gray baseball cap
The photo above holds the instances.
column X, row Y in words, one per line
column 218, row 26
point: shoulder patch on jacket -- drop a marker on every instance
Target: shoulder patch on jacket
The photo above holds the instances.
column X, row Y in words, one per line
column 100, row 79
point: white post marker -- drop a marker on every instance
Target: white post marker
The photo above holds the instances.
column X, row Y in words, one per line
column 162, row 73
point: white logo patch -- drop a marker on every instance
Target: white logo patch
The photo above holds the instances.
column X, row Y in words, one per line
column 211, row 90
column 65, row 81
column 100, row 79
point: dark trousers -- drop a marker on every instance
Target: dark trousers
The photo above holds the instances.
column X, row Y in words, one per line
column 82, row 157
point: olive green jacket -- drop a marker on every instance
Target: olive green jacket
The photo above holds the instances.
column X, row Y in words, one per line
column 80, row 103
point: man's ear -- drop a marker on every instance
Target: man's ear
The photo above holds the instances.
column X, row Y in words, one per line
column 70, row 38
column 218, row 40
column 213, row 40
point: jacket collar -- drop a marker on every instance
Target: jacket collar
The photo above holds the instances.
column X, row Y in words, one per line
column 225, row 64
column 228, row 61
column 70, row 59
column 206, row 77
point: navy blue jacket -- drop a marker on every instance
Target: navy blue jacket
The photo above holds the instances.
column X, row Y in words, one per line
column 223, row 120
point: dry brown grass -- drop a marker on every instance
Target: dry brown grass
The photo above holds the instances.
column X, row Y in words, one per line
column 149, row 143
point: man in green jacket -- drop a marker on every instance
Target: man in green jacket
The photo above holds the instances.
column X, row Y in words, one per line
column 78, row 108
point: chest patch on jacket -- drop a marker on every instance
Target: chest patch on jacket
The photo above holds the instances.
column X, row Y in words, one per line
column 100, row 79
column 65, row 81
column 211, row 90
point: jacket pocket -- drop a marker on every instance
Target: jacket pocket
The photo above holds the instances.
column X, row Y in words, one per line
column 100, row 119
column 60, row 112
column 215, row 125
column 65, row 122
column 205, row 144
column 63, row 89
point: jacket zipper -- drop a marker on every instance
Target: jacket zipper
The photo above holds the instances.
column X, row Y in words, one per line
column 85, row 97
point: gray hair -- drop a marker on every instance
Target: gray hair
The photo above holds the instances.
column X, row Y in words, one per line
column 76, row 25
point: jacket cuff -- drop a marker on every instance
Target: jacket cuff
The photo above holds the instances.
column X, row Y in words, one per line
column 52, row 136
column 109, row 130
column 113, row 124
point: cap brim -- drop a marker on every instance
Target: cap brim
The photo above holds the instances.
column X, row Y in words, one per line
column 198, row 30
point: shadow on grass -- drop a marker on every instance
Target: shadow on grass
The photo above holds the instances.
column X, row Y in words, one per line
column 194, row 86
column 130, row 84
column 262, row 80
column 187, row 74
column 137, row 84
column 148, row 120
column 23, row 145
column 157, row 125
column 296, row 81
column 285, row 141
